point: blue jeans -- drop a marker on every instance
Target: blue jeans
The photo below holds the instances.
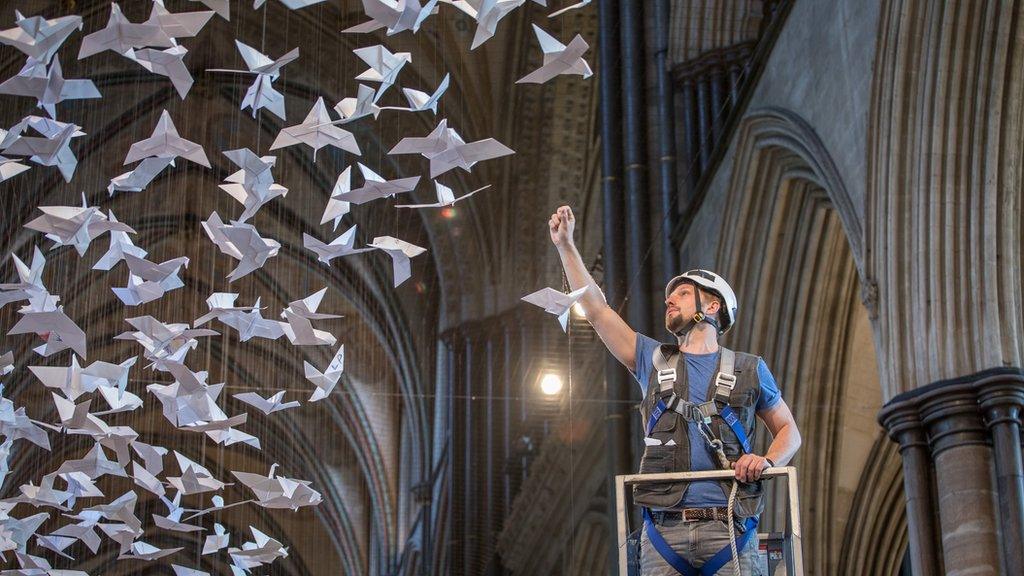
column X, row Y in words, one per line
column 697, row 542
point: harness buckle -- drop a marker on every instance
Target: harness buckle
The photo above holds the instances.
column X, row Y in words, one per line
column 727, row 381
column 667, row 375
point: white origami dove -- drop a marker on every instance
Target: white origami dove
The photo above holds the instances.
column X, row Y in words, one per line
column 149, row 281
column 253, row 185
column 384, row 66
column 166, row 143
column 400, row 252
column 74, row 226
column 558, row 58
column 396, row 16
column 48, row 86
column 120, row 36
column 445, row 197
column 317, row 131
column 273, row 491
column 53, row 148
column 343, row 245
column 246, row 319
column 169, row 62
column 120, row 245
column 446, row 149
column 375, row 187
column 266, row 405
column 351, row 109
column 299, row 329
column 261, row 94
column 555, row 302
column 420, row 101
column 39, row 38
column 242, row 242
column 325, row 381
column 337, row 207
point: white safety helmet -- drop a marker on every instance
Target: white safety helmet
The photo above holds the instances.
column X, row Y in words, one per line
column 710, row 282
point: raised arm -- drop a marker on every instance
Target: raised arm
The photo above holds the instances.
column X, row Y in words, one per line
column 617, row 336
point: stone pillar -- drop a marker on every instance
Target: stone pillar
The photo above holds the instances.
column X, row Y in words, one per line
column 963, row 480
column 1002, row 400
column 905, row 428
column 961, row 446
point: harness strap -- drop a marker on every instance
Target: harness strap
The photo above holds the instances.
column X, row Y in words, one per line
column 665, row 550
column 680, row 564
column 725, row 380
column 737, row 427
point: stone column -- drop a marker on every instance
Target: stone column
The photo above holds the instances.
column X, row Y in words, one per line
column 1002, row 400
column 904, row 426
column 963, row 479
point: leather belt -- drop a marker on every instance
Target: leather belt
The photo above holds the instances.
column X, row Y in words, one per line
column 690, row 514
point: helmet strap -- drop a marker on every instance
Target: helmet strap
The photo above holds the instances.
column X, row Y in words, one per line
column 698, row 317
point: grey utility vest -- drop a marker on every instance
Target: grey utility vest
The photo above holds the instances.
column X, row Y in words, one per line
column 674, row 426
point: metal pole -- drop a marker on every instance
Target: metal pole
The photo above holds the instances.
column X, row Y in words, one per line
column 614, row 240
column 665, row 127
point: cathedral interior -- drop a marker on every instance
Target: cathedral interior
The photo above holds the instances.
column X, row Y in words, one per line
column 852, row 167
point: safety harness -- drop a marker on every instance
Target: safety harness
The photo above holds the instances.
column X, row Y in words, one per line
column 700, row 414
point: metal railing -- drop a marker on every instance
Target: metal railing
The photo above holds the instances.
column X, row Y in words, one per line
column 794, row 558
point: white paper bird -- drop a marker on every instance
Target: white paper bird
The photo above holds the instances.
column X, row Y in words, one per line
column 384, row 66
column 325, row 381
column 555, row 302
column 48, row 86
column 242, row 242
column 400, row 252
column 445, row 197
column 375, row 187
column 317, row 131
column 446, row 149
column 52, row 148
column 40, row 38
column 253, row 185
column 343, row 245
column 166, row 143
column 261, row 93
column 558, row 58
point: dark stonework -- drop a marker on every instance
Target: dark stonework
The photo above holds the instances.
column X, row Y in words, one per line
column 960, row 438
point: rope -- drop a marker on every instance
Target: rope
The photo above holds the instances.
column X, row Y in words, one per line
column 732, row 530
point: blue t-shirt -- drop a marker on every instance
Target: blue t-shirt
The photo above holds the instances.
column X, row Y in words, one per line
column 701, row 369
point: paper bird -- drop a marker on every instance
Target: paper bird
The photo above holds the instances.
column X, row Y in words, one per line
column 445, row 197
column 273, row 491
column 169, row 62
column 183, row 571
column 325, row 381
column 253, row 185
column 254, row 554
column 221, row 7
column 74, row 226
column 558, row 58
column 162, row 340
column 420, row 101
column 446, row 149
column 143, row 551
column 148, row 281
column 16, row 425
column 555, row 302
column 230, row 436
column 317, row 131
column 384, row 66
column 242, row 242
column 9, row 168
column 152, row 456
column 83, row 531
column 48, row 86
column 246, row 319
column 55, row 328
column 120, row 36
column 137, row 179
column 166, row 143
column 194, row 479
column 576, row 6
column 352, row 109
column 400, row 252
column 299, row 329
column 218, row 541
column 266, row 405
column 396, row 16
column 261, row 94
column 173, row 521
column 31, row 281
column 94, row 465
column 44, row 494
column 487, row 16
column 375, row 187
column 39, row 38
column 52, row 149
column 290, row 4
column 343, row 245
column 36, row 566
column 178, row 24
column 337, row 207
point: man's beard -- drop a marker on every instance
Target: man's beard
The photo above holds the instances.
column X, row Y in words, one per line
column 674, row 323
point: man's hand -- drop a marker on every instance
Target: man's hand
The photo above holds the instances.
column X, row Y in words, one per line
column 561, row 226
column 749, row 467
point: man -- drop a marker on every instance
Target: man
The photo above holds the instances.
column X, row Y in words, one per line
column 698, row 413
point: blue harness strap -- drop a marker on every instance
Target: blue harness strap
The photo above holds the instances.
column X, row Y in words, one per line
column 712, row 566
column 734, row 423
column 652, row 421
column 665, row 550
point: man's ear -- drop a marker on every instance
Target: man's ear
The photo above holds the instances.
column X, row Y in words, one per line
column 712, row 307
